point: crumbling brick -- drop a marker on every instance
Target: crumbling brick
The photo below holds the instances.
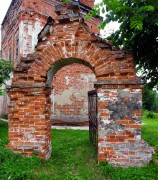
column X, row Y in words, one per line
column 118, row 90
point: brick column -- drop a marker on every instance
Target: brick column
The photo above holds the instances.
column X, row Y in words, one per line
column 119, row 131
column 29, row 120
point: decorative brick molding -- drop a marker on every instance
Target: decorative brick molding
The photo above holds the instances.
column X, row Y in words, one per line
column 119, row 102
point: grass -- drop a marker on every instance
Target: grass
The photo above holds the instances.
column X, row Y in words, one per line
column 150, row 131
column 73, row 158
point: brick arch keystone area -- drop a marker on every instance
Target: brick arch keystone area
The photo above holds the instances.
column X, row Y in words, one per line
column 118, row 88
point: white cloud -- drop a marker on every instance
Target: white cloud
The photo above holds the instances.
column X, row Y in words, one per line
column 111, row 27
column 97, row 1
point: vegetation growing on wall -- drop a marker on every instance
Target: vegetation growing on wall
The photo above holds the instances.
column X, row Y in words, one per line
column 65, row 1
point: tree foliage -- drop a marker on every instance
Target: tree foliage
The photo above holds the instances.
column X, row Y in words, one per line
column 150, row 99
column 5, row 70
column 138, row 31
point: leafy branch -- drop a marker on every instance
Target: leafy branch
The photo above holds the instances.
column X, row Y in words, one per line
column 138, row 31
column 5, row 70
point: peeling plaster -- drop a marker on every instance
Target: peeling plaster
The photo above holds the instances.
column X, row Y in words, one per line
column 28, row 36
column 67, row 80
column 37, row 28
column 64, row 98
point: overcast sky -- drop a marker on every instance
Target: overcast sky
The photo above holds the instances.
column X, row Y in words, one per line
column 4, row 4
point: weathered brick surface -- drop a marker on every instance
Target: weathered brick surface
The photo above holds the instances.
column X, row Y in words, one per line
column 89, row 3
column 25, row 19
column 67, row 41
column 10, row 29
column 119, row 138
column 29, row 123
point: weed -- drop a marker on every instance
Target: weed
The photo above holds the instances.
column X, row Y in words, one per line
column 65, row 1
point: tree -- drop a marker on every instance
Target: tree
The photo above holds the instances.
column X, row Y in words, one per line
column 138, row 31
column 5, row 70
column 150, row 99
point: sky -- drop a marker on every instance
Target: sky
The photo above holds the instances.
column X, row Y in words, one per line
column 4, row 5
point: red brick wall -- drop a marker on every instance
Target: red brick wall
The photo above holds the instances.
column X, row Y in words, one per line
column 10, row 28
column 89, row 3
column 25, row 20
column 24, row 15
column 33, row 19
column 70, row 98
column 43, row 8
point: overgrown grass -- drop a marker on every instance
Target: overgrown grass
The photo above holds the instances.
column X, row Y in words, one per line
column 73, row 158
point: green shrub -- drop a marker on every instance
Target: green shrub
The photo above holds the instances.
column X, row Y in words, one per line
column 150, row 99
column 4, row 116
column 5, row 70
column 151, row 115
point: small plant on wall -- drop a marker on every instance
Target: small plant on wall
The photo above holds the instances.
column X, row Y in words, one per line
column 65, row 1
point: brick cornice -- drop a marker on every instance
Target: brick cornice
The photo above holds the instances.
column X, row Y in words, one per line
column 119, row 82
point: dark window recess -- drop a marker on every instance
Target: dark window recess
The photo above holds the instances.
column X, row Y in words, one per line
column 16, row 49
column 10, row 54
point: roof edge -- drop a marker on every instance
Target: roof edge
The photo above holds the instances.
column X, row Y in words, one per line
column 83, row 6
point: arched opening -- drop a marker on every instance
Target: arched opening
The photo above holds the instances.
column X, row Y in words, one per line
column 71, row 80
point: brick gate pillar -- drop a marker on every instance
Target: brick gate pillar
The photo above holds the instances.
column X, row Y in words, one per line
column 29, row 120
column 119, row 129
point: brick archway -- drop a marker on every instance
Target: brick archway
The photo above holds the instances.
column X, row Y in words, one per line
column 118, row 88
